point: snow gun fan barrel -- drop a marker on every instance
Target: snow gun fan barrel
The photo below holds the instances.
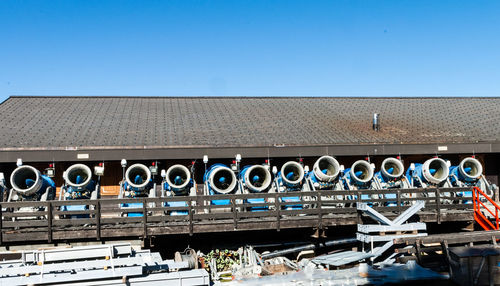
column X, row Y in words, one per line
column 292, row 173
column 434, row 170
column 178, row 177
column 470, row 169
column 138, row 176
column 392, row 168
column 78, row 176
column 221, row 179
column 256, row 178
column 26, row 180
column 361, row 172
column 326, row 169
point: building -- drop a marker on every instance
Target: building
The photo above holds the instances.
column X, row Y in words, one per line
column 65, row 130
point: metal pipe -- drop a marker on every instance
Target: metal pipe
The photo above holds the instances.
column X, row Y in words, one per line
column 309, row 247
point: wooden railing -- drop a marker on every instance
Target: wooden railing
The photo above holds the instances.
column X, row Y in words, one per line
column 107, row 218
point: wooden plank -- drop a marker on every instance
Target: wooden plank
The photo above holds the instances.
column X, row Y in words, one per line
column 98, row 220
column 191, row 218
column 438, row 206
column 145, row 219
column 453, row 238
column 1, row 226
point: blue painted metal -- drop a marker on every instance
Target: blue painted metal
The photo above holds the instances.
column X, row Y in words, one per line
column 455, row 170
column 418, row 172
column 178, row 204
column 178, row 192
column 468, row 180
column 76, row 208
column 254, row 180
column 429, row 176
column 222, row 180
column 348, row 177
column 137, row 192
column 76, row 193
column 321, row 184
column 132, row 205
column 46, row 182
column 290, row 188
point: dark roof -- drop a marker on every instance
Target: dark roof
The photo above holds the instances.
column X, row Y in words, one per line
column 41, row 123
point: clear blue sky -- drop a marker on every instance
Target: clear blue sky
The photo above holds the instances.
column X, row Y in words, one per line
column 250, row 48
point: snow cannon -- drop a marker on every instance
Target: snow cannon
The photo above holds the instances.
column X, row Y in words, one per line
column 468, row 171
column 137, row 181
column 390, row 176
column 178, row 180
column 79, row 183
column 290, row 179
column 220, row 179
column 29, row 184
column 359, row 176
column 434, row 172
column 291, row 175
column 391, row 169
column 256, row 178
column 326, row 169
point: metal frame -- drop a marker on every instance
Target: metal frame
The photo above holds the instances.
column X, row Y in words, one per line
column 98, row 263
column 396, row 225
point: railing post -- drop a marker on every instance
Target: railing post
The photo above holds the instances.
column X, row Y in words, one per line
column 278, row 210
column 145, row 218
column 98, row 219
column 235, row 213
column 190, row 213
column 400, row 208
column 320, row 212
column 359, row 216
column 1, row 225
column 49, row 222
column 438, row 205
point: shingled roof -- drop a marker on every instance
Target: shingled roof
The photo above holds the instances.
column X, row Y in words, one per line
column 106, row 123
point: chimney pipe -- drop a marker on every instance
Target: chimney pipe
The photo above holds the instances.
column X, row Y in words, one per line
column 376, row 125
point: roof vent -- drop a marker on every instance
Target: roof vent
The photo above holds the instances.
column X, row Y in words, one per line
column 376, row 125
